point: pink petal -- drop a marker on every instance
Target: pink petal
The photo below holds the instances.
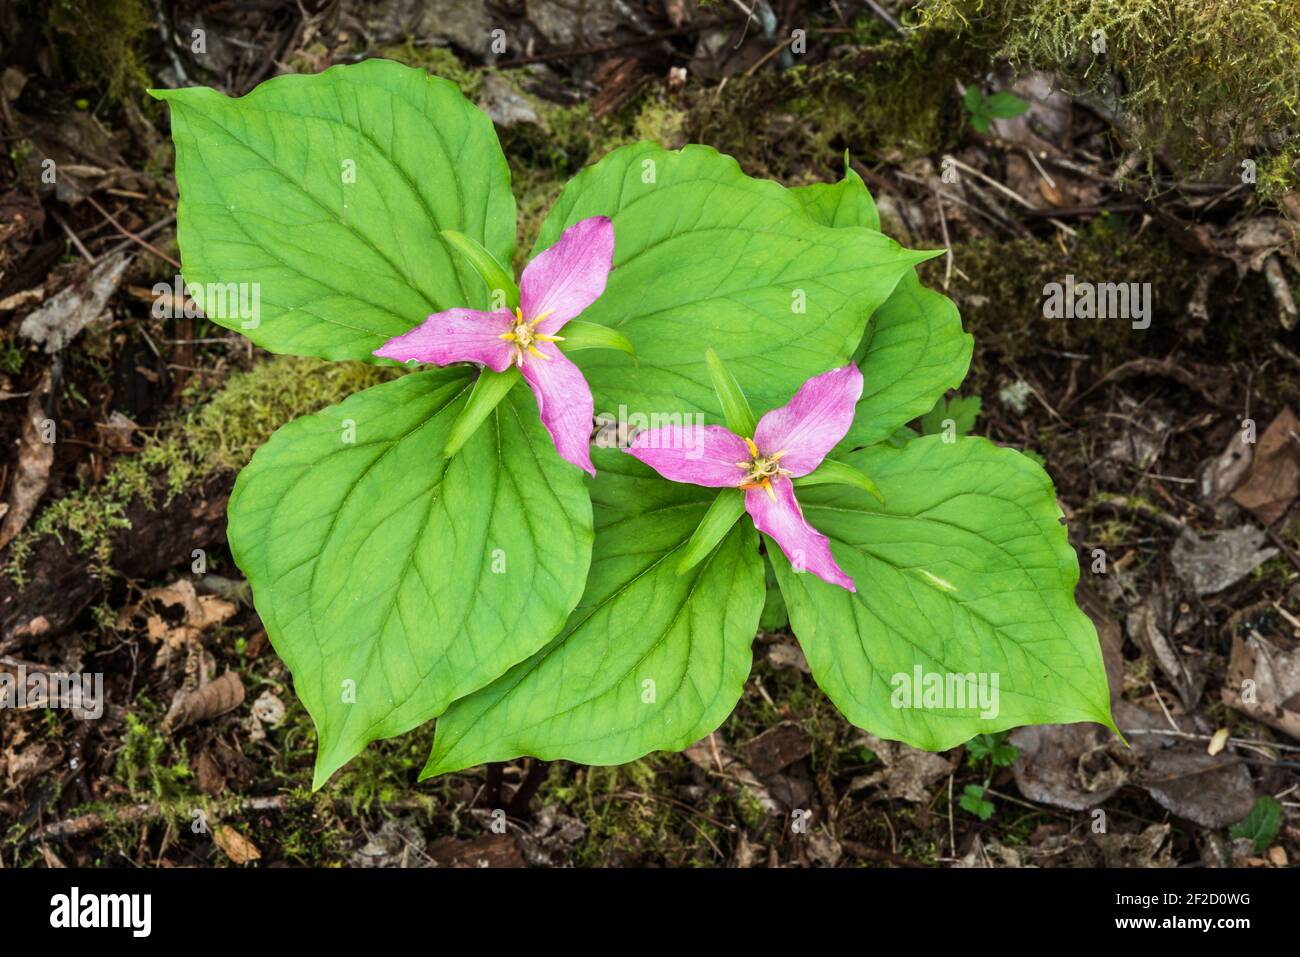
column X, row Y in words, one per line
column 569, row 276
column 813, row 422
column 807, row 548
column 694, row 454
column 457, row 335
column 565, row 403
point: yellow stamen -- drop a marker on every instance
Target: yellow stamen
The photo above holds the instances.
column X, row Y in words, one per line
column 767, row 484
column 534, row 322
column 534, row 351
column 507, row 336
column 546, row 338
column 753, row 449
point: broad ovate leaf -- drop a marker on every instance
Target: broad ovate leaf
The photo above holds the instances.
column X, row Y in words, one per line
column 392, row 580
column 964, row 570
column 650, row 660
column 914, row 348
column 705, row 256
column 311, row 210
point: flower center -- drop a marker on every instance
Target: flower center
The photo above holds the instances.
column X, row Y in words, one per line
column 524, row 333
column 761, row 469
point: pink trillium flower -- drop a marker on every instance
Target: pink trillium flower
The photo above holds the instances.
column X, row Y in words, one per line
column 556, row 286
column 789, row 442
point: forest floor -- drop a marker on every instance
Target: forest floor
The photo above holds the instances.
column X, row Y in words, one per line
column 1175, row 450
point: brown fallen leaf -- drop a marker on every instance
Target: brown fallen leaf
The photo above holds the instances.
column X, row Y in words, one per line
column 1264, row 682
column 210, row 700
column 777, row 747
column 1274, row 480
column 64, row 315
column 35, row 458
column 200, row 613
column 234, row 845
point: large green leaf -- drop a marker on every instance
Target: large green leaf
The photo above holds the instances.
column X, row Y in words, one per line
column 705, row 256
column 914, row 348
column 965, row 569
column 329, row 193
column 650, row 660
column 387, row 574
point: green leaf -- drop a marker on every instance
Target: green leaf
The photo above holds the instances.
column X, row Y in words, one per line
column 966, row 570
column 774, row 617
column 961, row 410
column 704, row 254
column 496, row 277
column 846, row 203
column 488, row 391
column 914, row 351
column 735, row 407
column 392, row 581
column 973, row 99
column 914, row 348
column 993, row 748
column 650, row 660
column 713, row 528
column 1003, row 106
column 979, row 122
column 831, row 472
column 328, row 194
column 1261, row 825
column 972, row 801
column 579, row 335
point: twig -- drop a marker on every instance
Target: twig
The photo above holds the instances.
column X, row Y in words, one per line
column 76, row 240
column 130, row 235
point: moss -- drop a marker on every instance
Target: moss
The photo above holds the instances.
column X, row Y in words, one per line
column 894, row 100
column 102, row 39
column 141, row 767
column 1204, row 81
column 219, row 435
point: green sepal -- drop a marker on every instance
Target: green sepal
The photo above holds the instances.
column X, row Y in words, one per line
column 578, row 335
column 495, row 275
column 831, row 472
column 713, row 528
column 486, row 395
column 735, row 407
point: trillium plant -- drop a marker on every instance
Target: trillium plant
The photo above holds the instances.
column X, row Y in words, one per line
column 453, row 544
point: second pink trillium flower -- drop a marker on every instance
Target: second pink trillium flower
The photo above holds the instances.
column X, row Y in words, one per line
column 555, row 287
column 789, row 442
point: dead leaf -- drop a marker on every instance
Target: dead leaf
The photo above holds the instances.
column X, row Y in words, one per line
column 238, row 848
column 777, row 747
column 908, row 773
column 1222, row 474
column 35, row 458
column 1274, row 480
column 1213, row 562
column 1150, row 848
column 490, row 850
column 210, row 700
column 64, row 315
column 1264, row 682
column 787, row 654
column 1143, row 628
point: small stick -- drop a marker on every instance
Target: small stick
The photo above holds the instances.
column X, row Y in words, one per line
column 76, row 240
column 130, row 235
